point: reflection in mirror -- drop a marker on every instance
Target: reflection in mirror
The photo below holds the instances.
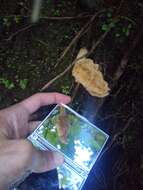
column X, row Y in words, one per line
column 79, row 140
column 68, row 178
column 82, row 154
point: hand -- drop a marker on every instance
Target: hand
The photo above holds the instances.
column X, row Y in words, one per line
column 17, row 154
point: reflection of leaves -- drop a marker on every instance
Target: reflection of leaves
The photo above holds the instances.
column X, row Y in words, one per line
column 95, row 144
column 44, row 133
column 50, row 122
column 52, row 137
column 88, row 136
column 68, row 179
column 23, row 83
column 7, row 83
column 100, row 138
column 75, row 128
column 64, row 181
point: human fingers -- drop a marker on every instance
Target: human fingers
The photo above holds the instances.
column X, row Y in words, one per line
column 33, row 125
column 24, row 159
column 34, row 102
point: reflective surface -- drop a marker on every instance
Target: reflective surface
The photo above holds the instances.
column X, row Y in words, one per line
column 84, row 141
column 68, row 178
column 80, row 141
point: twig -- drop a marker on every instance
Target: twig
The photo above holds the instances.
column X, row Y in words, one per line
column 54, row 17
column 117, row 165
column 78, row 35
column 17, row 32
column 75, row 92
column 120, row 173
column 43, row 43
column 66, row 17
column 101, row 38
column 61, row 74
column 115, row 137
column 100, row 178
column 117, row 115
column 71, row 65
column 120, row 6
column 57, row 77
column 122, row 66
column 128, row 19
column 126, row 56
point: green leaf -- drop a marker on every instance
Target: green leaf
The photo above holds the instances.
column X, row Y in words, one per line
column 7, row 83
column 17, row 19
column 127, row 32
column 23, row 83
column 105, row 27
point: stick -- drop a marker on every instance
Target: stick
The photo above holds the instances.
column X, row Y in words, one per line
column 116, row 136
column 57, row 77
column 17, row 32
column 75, row 92
column 122, row 66
column 54, row 18
column 120, row 6
column 79, row 34
column 126, row 57
column 71, row 65
column 66, row 17
column 61, row 74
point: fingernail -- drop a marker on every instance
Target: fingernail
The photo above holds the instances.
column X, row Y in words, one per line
column 59, row 159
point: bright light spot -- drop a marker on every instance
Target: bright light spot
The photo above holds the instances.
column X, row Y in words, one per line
column 82, row 154
column 53, row 130
column 58, row 146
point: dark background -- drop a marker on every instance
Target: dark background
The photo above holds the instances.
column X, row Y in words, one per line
column 29, row 53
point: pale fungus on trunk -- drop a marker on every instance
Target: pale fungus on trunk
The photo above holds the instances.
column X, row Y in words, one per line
column 87, row 73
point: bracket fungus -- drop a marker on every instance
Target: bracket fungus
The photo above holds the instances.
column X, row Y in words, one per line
column 87, row 73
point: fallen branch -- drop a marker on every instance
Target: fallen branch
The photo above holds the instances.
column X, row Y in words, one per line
column 17, row 32
column 78, row 35
column 66, row 17
column 53, row 18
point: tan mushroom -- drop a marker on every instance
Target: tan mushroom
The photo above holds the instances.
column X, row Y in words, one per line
column 87, row 73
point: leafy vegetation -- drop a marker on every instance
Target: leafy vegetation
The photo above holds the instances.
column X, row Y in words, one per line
column 7, row 83
column 23, row 83
column 122, row 26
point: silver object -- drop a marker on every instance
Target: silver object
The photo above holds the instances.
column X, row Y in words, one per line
column 84, row 144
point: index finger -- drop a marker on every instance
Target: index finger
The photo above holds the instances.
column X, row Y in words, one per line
column 34, row 102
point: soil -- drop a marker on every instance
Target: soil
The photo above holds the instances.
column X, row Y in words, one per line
column 30, row 54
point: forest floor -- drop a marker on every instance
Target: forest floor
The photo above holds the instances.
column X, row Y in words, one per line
column 29, row 59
